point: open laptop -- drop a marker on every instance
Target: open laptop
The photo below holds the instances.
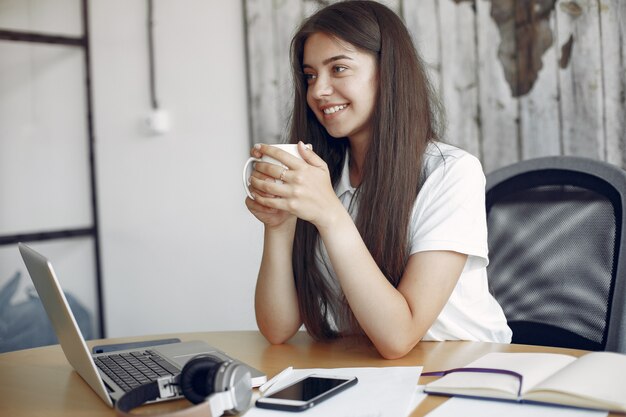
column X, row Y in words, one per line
column 151, row 362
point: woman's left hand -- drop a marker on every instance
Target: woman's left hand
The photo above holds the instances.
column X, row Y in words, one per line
column 306, row 191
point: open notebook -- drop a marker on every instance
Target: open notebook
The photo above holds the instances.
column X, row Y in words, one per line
column 110, row 375
column 595, row 380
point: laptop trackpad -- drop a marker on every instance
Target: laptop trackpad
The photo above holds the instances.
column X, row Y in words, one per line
column 181, row 353
column 181, row 360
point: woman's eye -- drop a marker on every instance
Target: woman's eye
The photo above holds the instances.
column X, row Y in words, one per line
column 309, row 77
column 340, row 68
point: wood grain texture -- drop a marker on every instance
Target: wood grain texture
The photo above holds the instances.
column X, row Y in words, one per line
column 459, row 74
column 422, row 20
column 539, row 109
column 264, row 99
column 287, row 16
column 498, row 110
column 580, row 82
column 613, row 24
column 577, row 109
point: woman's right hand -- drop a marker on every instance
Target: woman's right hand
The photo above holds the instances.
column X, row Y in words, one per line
column 270, row 217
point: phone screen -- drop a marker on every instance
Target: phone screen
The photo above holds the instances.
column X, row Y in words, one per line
column 307, row 388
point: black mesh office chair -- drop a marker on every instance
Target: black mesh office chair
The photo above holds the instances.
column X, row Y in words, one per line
column 557, row 251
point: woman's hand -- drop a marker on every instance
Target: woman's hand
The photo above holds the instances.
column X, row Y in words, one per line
column 306, row 191
column 270, row 217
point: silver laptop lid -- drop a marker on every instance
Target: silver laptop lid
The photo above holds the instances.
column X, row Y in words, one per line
column 63, row 321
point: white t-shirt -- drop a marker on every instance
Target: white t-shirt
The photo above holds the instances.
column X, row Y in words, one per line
column 449, row 214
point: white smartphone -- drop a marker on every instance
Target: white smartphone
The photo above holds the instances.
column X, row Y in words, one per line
column 306, row 392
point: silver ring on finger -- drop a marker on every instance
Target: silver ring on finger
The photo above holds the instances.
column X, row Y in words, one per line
column 282, row 174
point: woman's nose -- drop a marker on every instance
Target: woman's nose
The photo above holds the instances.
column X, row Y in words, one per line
column 321, row 88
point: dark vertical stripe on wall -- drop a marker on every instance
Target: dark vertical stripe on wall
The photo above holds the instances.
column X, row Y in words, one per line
column 92, row 171
column 603, row 87
column 479, row 120
column 244, row 17
column 154, row 102
column 557, row 44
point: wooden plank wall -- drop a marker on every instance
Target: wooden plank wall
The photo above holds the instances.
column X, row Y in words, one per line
column 575, row 106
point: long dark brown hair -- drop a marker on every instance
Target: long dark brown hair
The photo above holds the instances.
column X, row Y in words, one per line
column 404, row 121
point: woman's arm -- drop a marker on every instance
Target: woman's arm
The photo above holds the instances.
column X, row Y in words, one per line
column 275, row 301
column 394, row 319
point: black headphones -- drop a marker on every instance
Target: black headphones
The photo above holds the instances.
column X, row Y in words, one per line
column 218, row 387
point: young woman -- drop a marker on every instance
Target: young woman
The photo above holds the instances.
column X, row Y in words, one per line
column 380, row 229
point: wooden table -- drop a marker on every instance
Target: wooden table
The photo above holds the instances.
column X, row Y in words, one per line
column 40, row 381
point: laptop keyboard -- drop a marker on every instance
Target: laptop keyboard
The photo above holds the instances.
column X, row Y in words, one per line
column 129, row 370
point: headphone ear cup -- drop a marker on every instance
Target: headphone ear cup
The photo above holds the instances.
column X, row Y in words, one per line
column 197, row 379
column 238, row 381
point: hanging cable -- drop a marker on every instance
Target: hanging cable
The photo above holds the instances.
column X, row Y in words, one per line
column 153, row 96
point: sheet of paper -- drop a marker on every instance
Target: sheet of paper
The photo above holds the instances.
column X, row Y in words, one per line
column 380, row 392
column 455, row 407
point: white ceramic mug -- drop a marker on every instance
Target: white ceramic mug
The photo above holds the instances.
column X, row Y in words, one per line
column 247, row 168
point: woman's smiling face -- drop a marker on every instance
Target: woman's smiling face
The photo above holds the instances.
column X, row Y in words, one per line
column 342, row 86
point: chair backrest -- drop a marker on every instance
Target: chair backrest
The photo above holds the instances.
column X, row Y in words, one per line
column 557, row 251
